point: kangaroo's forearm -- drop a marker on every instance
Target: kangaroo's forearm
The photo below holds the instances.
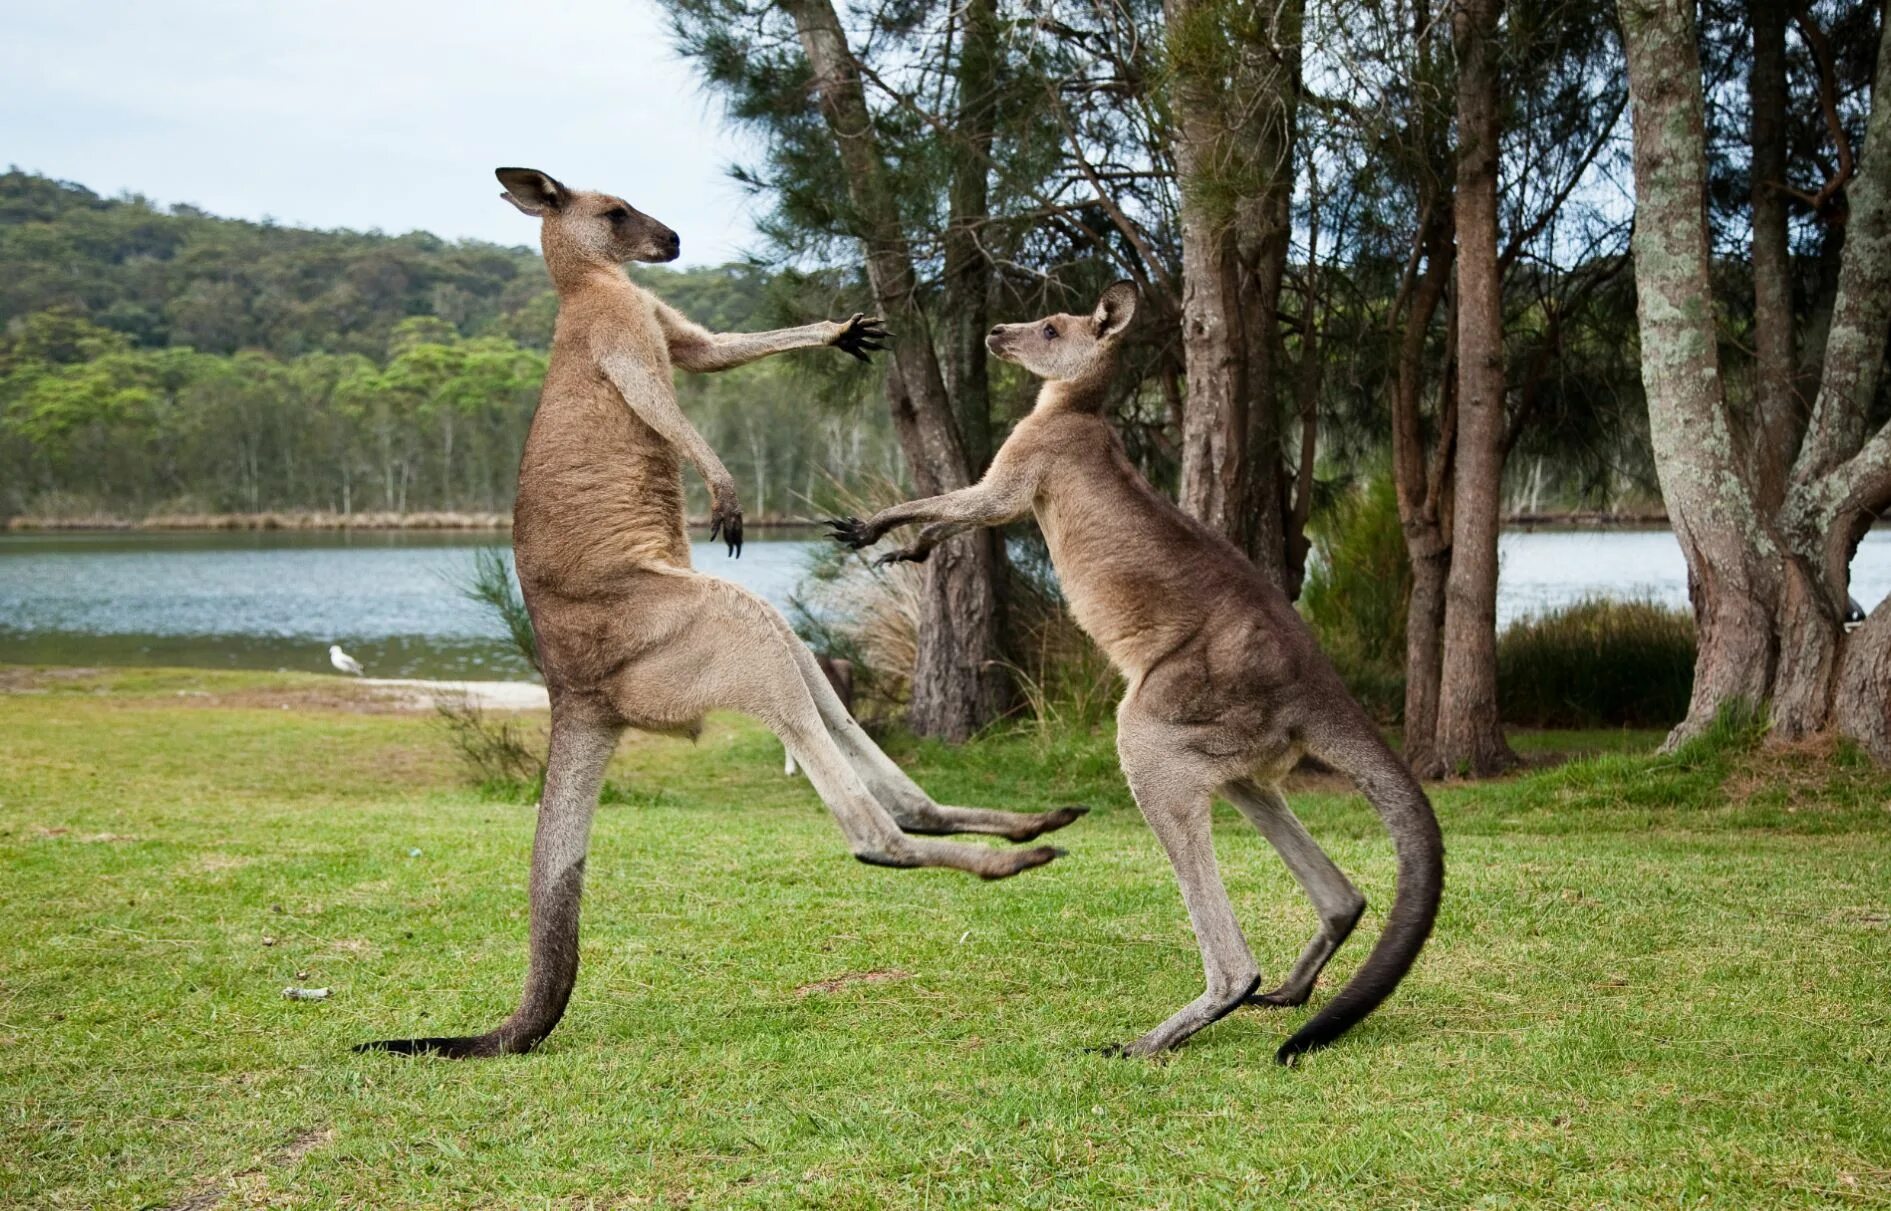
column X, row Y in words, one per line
column 977, row 505
column 655, row 404
column 703, row 352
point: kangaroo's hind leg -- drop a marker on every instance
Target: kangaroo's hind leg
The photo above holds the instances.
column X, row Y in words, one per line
column 1175, row 794
column 1334, row 897
column 737, row 654
column 580, row 749
column 910, row 806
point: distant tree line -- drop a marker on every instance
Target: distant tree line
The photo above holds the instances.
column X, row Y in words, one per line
column 158, row 360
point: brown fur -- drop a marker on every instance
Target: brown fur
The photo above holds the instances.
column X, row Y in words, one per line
column 1226, row 686
column 629, row 634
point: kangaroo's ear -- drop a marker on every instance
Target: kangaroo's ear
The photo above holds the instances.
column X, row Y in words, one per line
column 1115, row 309
column 536, row 193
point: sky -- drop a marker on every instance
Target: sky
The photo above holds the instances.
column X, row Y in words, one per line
column 388, row 114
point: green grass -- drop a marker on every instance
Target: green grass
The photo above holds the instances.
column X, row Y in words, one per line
column 1655, row 982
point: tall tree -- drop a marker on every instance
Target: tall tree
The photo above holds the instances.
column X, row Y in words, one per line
column 1215, row 423
column 966, row 297
column 1769, row 588
column 1775, row 427
column 958, row 682
column 1234, row 92
column 1470, row 734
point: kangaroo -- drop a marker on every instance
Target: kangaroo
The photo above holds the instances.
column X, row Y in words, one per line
column 1226, row 687
column 840, row 674
column 629, row 635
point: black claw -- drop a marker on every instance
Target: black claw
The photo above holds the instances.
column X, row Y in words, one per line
column 850, row 532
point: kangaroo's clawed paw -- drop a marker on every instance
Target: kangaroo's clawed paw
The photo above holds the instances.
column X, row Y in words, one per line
column 850, row 532
column 861, row 334
column 1048, row 822
column 727, row 523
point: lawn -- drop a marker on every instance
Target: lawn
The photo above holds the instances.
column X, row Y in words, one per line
column 1655, row 982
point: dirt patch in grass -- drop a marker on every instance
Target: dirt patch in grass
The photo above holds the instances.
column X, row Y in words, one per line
column 19, row 679
column 1802, row 775
column 836, row 983
column 250, row 1182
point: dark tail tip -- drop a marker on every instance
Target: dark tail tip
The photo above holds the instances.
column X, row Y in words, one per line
column 446, row 1048
column 1407, row 815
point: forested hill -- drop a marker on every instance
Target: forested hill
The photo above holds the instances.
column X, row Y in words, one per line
column 158, row 359
column 177, row 276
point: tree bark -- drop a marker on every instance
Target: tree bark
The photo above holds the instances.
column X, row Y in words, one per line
column 966, row 304
column 1862, row 706
column 1268, row 85
column 1214, row 486
column 1776, row 422
column 1733, row 563
column 1840, row 482
column 958, row 683
column 1423, row 494
column 1470, row 737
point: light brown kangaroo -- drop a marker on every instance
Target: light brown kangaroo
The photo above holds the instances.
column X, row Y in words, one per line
column 1226, row 686
column 628, row 634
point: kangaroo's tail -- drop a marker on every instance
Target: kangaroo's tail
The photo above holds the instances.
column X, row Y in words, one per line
column 1402, row 806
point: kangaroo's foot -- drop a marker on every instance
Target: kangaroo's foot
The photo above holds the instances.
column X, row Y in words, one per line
column 1204, row 1011
column 928, row 819
column 986, row 863
column 1335, row 928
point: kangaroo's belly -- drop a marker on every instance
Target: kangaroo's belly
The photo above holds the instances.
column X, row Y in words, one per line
column 600, row 492
column 1120, row 594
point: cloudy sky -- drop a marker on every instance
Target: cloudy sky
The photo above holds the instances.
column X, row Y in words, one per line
column 389, row 114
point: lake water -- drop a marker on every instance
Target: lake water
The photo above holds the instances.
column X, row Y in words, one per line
column 277, row 599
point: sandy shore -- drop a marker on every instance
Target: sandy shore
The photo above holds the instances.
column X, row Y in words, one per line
column 487, row 695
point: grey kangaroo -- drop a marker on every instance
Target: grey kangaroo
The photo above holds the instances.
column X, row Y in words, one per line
column 1226, row 686
column 629, row 635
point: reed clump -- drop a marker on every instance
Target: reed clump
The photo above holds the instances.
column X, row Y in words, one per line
column 1597, row 663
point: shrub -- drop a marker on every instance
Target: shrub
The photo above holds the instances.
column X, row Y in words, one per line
column 1597, row 663
column 870, row 616
column 499, row 758
column 491, row 585
column 1357, row 588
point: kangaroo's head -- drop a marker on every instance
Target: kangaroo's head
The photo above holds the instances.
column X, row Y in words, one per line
column 580, row 227
column 1060, row 348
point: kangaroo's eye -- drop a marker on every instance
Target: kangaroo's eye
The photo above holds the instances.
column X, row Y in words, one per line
column 1050, row 332
column 617, row 214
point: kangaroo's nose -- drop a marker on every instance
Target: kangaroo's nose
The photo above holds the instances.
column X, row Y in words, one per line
column 996, row 329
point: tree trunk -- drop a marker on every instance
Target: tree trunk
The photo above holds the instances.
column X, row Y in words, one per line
column 1268, row 82
column 1214, row 485
column 1776, row 414
column 1423, row 492
column 966, row 304
column 1840, row 482
column 1470, row 736
column 959, row 683
column 1733, row 564
column 1862, row 705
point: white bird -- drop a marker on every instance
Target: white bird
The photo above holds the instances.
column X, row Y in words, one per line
column 342, row 660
